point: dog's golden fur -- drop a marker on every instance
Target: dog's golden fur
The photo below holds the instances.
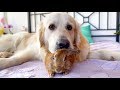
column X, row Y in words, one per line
column 28, row 46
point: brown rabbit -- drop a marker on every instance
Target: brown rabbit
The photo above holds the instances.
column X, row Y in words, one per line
column 61, row 61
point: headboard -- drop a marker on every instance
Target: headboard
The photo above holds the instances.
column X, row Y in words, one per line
column 103, row 24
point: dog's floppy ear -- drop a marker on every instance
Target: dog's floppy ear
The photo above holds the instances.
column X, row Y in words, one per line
column 40, row 32
column 77, row 34
column 80, row 41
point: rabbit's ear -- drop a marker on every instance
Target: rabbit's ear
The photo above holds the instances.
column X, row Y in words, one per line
column 64, row 58
column 72, row 52
column 69, row 52
column 77, row 51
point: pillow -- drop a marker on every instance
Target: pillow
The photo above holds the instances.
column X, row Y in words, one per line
column 86, row 31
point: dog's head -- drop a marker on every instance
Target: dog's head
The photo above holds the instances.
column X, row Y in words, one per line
column 58, row 31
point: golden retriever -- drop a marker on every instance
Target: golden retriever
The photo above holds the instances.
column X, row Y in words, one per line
column 57, row 31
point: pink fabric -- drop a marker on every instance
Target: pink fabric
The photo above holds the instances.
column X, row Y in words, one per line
column 87, row 69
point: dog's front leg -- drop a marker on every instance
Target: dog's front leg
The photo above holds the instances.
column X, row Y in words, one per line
column 43, row 53
column 16, row 59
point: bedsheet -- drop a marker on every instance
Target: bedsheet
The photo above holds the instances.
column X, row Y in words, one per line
column 91, row 68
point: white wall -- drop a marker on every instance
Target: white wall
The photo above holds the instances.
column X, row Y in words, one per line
column 1, row 16
column 17, row 19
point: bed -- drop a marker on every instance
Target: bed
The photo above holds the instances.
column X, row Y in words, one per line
column 88, row 69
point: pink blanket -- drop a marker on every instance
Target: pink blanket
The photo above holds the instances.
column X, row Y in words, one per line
column 87, row 69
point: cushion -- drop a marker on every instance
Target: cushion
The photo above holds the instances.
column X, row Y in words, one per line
column 86, row 31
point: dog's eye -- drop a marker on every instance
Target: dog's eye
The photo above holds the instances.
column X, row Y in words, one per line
column 69, row 27
column 52, row 27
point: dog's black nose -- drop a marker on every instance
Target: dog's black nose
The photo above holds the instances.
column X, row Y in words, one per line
column 63, row 43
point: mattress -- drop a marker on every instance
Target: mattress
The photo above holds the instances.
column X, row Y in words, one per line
column 88, row 69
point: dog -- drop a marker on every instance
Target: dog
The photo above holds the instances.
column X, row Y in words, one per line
column 57, row 31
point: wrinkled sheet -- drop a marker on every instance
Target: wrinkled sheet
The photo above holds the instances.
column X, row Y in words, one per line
column 87, row 69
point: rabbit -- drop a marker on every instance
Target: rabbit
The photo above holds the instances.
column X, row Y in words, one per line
column 61, row 61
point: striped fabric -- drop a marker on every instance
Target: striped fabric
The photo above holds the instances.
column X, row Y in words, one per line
column 105, row 45
column 87, row 69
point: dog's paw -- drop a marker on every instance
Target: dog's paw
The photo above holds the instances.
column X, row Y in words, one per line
column 2, row 55
column 112, row 58
column 5, row 54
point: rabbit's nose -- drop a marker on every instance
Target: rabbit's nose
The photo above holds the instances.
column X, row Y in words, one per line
column 58, row 70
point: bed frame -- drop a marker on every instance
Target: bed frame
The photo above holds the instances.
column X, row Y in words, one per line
column 85, row 20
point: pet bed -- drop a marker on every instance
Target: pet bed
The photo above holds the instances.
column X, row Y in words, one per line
column 88, row 69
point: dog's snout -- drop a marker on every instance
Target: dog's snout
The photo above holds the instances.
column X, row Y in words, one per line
column 63, row 43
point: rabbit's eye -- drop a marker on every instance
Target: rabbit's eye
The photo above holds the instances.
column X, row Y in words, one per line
column 52, row 58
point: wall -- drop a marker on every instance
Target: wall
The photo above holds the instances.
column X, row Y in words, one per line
column 1, row 16
column 17, row 19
